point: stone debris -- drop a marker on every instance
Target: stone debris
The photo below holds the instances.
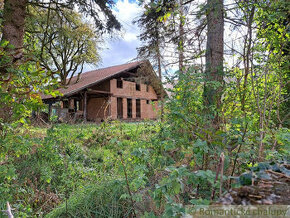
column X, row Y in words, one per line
column 266, row 184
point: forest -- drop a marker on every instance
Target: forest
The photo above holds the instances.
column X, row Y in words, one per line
column 222, row 134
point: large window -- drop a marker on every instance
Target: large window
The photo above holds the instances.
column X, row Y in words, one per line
column 119, row 83
column 138, row 88
column 65, row 104
column 119, row 108
column 77, row 105
column 138, row 108
column 129, row 108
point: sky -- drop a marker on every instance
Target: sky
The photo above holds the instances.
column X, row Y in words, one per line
column 123, row 49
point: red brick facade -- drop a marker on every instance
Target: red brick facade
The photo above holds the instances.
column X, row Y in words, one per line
column 128, row 91
column 117, row 92
column 106, row 107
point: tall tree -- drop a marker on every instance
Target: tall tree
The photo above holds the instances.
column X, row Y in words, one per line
column 13, row 25
column 260, row 83
column 181, row 36
column 14, row 15
column 152, row 36
column 64, row 44
column 214, row 58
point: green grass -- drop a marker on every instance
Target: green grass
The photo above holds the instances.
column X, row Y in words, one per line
column 77, row 164
column 77, row 170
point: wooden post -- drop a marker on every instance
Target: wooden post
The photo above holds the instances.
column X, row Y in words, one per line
column 49, row 110
column 85, row 106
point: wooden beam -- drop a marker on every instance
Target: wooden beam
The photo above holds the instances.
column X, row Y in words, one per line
column 85, row 106
column 134, row 97
column 91, row 91
column 131, row 74
column 97, row 96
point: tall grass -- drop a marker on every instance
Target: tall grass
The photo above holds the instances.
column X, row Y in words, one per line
column 102, row 199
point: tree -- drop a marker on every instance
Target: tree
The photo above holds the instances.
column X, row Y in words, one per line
column 214, row 58
column 256, row 90
column 14, row 14
column 173, row 22
column 13, row 24
column 64, row 44
column 181, row 36
column 184, row 22
column 152, row 36
column 13, row 28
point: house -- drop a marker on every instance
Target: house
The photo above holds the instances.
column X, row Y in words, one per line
column 129, row 91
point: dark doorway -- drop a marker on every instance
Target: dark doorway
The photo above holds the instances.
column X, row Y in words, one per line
column 119, row 83
column 138, row 108
column 65, row 104
column 129, row 108
column 119, row 108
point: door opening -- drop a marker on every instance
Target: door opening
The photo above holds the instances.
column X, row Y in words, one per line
column 119, row 108
column 129, row 108
column 138, row 108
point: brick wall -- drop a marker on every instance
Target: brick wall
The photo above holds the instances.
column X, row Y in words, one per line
column 97, row 109
column 148, row 111
column 133, row 108
column 113, row 107
column 124, row 108
column 129, row 90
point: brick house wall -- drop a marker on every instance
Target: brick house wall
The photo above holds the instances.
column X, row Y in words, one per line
column 128, row 91
column 97, row 95
column 97, row 109
column 100, row 108
column 113, row 107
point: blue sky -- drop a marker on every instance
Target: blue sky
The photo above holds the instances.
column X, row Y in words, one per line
column 123, row 49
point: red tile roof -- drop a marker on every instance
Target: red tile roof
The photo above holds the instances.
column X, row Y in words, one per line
column 93, row 77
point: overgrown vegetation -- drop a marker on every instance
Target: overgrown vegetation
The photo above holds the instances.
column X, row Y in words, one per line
column 219, row 116
column 43, row 167
column 77, row 169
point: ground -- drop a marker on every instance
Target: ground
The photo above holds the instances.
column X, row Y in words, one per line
column 59, row 162
column 117, row 169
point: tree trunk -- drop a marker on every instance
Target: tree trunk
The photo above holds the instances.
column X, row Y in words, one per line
column 181, row 37
column 261, row 145
column 247, row 56
column 13, row 25
column 214, row 59
column 160, row 77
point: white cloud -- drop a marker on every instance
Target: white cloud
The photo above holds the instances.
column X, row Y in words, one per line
column 123, row 49
column 130, row 37
column 126, row 11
